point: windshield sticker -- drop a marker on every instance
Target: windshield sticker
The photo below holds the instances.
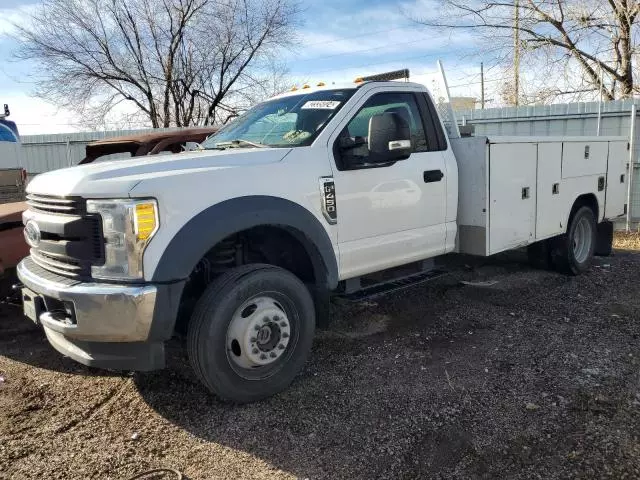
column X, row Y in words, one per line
column 321, row 105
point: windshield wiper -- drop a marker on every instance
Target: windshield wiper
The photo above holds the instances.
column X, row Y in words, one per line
column 238, row 142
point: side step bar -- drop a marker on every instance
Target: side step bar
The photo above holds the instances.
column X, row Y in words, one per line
column 390, row 286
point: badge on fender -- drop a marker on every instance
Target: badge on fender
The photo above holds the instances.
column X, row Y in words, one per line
column 328, row 200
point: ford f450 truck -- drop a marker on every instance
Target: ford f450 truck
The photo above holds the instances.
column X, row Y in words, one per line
column 320, row 192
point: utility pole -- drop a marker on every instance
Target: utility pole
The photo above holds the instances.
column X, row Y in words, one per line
column 516, row 51
column 482, row 85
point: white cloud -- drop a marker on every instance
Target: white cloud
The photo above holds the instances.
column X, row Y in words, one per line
column 330, row 30
column 35, row 116
column 336, row 46
column 11, row 16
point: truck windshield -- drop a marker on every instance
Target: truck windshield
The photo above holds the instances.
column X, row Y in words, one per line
column 290, row 121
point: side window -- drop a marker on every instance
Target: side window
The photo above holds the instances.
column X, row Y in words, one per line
column 403, row 104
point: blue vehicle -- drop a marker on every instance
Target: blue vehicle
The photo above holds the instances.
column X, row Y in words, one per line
column 8, row 129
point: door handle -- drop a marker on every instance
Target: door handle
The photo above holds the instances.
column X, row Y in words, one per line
column 433, row 176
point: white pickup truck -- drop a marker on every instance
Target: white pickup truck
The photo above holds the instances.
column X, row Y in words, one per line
column 326, row 191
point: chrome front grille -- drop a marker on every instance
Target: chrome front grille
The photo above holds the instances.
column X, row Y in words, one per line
column 48, row 275
column 51, row 204
column 61, row 266
column 71, row 240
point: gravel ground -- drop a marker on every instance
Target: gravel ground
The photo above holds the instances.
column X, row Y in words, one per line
column 535, row 376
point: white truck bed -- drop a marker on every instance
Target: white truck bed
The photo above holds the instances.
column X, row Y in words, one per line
column 514, row 191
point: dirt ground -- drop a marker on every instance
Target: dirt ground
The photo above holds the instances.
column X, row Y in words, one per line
column 535, row 376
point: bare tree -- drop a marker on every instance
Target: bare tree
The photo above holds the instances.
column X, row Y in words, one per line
column 591, row 43
column 177, row 62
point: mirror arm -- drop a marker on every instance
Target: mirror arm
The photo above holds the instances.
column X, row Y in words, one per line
column 348, row 143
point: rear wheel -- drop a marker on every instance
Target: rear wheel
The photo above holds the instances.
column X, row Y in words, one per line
column 573, row 252
column 251, row 332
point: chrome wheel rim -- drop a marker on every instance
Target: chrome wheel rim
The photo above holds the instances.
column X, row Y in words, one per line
column 582, row 237
column 258, row 335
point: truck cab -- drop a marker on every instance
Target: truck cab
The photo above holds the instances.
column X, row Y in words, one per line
column 242, row 244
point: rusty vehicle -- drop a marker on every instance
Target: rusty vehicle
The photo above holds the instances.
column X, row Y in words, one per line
column 147, row 143
column 13, row 246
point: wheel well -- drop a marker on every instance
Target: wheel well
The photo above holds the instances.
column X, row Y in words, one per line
column 275, row 245
column 586, row 200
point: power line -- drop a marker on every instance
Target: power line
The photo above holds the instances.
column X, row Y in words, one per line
column 478, row 82
column 448, row 70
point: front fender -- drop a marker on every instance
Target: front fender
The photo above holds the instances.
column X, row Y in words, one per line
column 219, row 221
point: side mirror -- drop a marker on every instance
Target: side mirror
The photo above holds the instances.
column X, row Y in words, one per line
column 389, row 138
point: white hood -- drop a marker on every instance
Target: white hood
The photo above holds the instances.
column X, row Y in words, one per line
column 118, row 177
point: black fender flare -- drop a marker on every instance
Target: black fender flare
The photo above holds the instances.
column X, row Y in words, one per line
column 219, row 221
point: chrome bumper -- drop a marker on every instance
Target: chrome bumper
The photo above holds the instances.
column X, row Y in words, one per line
column 121, row 327
column 103, row 312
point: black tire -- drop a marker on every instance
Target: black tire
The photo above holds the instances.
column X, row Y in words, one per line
column 209, row 353
column 563, row 251
column 539, row 255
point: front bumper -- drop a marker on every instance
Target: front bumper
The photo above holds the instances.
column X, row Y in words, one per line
column 103, row 325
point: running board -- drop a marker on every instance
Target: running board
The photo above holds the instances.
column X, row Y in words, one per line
column 391, row 286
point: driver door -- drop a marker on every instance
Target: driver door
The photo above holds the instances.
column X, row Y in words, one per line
column 393, row 213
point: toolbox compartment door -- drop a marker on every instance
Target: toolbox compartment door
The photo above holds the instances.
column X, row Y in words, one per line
column 549, row 212
column 512, row 195
column 616, row 192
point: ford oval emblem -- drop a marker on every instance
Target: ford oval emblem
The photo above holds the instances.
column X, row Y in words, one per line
column 32, row 234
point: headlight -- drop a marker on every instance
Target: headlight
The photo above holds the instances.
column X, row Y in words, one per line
column 128, row 226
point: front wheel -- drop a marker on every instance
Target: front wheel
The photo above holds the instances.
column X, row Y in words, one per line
column 573, row 252
column 251, row 332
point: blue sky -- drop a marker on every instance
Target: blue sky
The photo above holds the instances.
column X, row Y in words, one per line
column 339, row 40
